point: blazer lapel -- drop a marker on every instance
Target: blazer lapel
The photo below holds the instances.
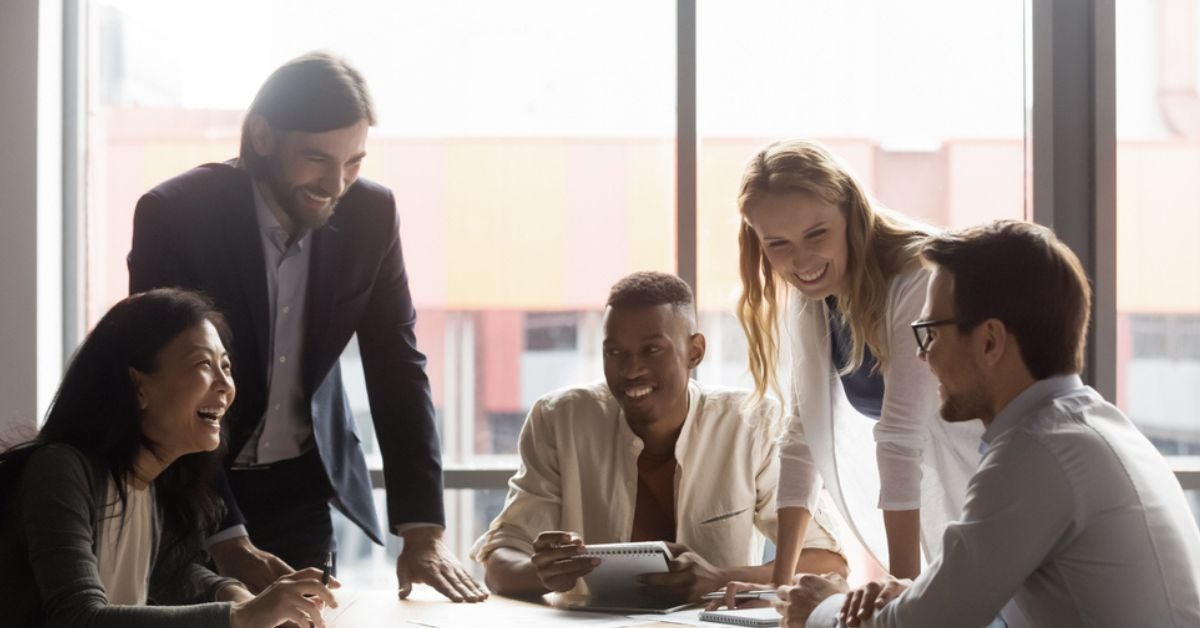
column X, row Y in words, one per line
column 246, row 266
column 324, row 272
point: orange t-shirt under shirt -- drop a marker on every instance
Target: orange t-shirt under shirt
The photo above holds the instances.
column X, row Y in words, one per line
column 654, row 513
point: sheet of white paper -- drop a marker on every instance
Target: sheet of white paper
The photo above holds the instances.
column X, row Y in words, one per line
column 685, row 617
column 367, row 608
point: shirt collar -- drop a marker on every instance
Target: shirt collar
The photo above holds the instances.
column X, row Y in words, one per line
column 688, row 421
column 269, row 225
column 1021, row 406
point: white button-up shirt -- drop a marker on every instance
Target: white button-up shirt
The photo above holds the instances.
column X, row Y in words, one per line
column 579, row 473
column 285, row 430
column 1073, row 514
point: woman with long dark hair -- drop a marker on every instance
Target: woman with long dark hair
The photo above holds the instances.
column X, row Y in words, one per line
column 105, row 510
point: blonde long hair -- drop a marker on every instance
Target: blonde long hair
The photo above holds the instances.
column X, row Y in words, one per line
column 879, row 246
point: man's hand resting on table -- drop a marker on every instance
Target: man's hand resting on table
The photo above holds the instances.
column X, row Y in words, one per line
column 426, row 559
column 796, row 602
column 861, row 603
column 239, row 558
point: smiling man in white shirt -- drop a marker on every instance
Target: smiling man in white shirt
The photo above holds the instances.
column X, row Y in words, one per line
column 646, row 455
column 1073, row 514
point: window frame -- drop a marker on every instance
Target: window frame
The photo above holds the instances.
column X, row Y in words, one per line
column 1071, row 174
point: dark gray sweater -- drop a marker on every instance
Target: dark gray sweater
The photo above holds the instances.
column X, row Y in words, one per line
column 48, row 574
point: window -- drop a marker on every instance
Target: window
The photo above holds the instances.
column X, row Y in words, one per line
column 939, row 137
column 530, row 145
column 1158, row 218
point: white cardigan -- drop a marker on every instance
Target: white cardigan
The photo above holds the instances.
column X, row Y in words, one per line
column 919, row 461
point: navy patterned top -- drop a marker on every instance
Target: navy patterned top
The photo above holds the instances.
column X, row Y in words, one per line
column 864, row 389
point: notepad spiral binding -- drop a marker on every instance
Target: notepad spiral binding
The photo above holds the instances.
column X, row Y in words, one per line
column 641, row 548
column 742, row 621
column 607, row 551
column 756, row 620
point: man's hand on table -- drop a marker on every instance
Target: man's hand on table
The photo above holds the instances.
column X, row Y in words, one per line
column 796, row 602
column 558, row 561
column 861, row 603
column 239, row 558
column 425, row 559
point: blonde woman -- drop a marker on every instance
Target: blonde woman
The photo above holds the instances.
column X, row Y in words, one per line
column 842, row 279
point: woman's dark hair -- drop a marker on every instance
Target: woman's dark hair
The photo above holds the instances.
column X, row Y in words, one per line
column 96, row 411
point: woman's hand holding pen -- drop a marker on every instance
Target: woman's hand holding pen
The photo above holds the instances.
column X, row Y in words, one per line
column 559, row 561
column 297, row 598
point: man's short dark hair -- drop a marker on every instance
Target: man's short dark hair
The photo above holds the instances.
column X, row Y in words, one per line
column 314, row 93
column 1021, row 274
column 651, row 289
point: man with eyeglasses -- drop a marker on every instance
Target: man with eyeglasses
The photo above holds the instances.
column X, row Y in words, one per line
column 1073, row 514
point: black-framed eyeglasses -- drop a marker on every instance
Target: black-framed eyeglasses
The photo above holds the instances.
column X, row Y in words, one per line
column 924, row 331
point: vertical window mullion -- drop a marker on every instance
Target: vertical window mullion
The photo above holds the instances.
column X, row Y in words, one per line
column 686, row 142
column 1074, row 155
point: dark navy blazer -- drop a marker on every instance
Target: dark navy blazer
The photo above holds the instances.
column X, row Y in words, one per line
column 198, row 231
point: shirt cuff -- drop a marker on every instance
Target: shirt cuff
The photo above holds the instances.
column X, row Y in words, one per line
column 224, row 535
column 401, row 528
column 825, row 615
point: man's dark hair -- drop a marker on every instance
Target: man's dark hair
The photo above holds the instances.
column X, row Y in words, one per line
column 314, row 93
column 651, row 289
column 1021, row 274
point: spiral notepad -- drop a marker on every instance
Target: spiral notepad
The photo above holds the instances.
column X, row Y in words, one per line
column 613, row 585
column 764, row 617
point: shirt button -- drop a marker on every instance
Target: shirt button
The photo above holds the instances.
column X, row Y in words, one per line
column 276, row 407
column 282, row 359
column 287, row 308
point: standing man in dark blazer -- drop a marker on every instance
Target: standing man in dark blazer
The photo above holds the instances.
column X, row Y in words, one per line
column 300, row 254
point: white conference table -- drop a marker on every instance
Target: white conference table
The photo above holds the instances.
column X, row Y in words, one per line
column 365, row 608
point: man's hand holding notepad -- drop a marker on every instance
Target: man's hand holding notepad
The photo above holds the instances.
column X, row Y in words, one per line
column 617, row 583
column 560, row 560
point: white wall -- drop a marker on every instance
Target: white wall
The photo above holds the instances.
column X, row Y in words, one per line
column 30, row 210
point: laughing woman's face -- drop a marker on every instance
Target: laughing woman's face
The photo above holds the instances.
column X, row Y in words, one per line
column 184, row 400
column 804, row 238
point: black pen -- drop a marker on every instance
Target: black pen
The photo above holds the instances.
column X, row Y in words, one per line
column 326, row 568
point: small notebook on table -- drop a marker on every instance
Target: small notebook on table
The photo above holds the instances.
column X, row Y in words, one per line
column 613, row 586
column 746, row 617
